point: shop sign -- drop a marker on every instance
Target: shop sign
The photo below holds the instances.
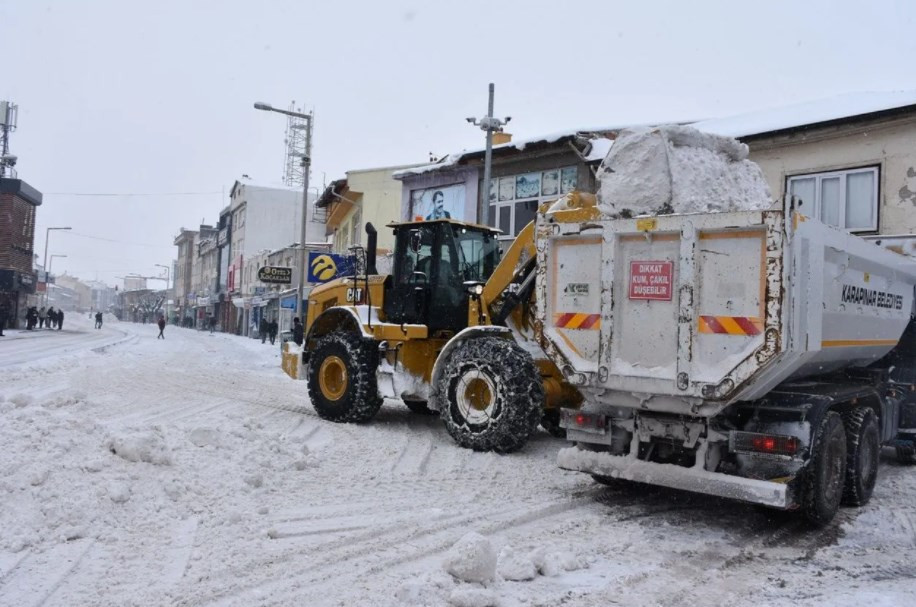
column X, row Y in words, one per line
column 275, row 275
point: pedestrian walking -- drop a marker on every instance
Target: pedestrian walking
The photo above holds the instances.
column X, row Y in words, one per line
column 42, row 317
column 211, row 320
column 262, row 329
column 4, row 316
column 60, row 320
column 98, row 320
column 272, row 331
column 31, row 318
column 161, row 324
column 298, row 332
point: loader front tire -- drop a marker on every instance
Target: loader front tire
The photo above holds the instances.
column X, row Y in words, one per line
column 826, row 472
column 493, row 395
column 342, row 378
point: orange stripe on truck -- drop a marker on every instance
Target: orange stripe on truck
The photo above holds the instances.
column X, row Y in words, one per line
column 731, row 325
column 572, row 320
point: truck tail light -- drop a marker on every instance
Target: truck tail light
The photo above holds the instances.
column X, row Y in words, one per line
column 571, row 419
column 773, row 444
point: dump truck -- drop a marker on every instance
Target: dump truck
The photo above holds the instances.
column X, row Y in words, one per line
column 751, row 353
column 448, row 331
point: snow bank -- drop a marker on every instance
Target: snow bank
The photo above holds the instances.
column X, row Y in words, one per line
column 675, row 169
column 469, row 596
column 514, row 566
column 147, row 445
column 472, row 559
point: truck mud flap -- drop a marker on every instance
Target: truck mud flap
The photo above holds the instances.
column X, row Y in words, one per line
column 767, row 493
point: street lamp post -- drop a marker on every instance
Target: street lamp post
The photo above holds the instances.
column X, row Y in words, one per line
column 48, row 273
column 45, row 262
column 167, row 273
column 490, row 125
column 306, row 166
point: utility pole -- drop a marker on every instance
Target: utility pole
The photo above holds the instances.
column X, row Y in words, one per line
column 45, row 262
column 489, row 125
column 306, row 167
column 8, row 113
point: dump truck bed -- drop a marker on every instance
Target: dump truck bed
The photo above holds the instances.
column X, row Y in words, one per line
column 689, row 313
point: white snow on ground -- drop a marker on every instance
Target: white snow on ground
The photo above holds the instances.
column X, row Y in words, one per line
column 676, row 169
column 191, row 471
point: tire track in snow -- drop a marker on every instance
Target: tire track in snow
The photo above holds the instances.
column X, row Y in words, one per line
column 391, row 546
column 179, row 554
column 37, row 577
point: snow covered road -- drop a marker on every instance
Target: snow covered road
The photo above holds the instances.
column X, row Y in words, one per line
column 191, row 471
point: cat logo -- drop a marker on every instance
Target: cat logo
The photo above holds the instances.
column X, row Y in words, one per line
column 324, row 268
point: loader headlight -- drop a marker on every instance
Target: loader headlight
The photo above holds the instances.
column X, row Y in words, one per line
column 474, row 288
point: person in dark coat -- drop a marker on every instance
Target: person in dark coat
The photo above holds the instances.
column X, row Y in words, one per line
column 31, row 318
column 60, row 320
column 298, row 332
column 262, row 329
column 161, row 324
column 4, row 316
column 272, row 331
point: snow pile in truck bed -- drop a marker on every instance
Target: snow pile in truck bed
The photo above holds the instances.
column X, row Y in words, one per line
column 675, row 169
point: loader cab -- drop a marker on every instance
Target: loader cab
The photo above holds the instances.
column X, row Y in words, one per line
column 432, row 262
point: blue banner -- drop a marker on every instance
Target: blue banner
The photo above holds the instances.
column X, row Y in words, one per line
column 328, row 266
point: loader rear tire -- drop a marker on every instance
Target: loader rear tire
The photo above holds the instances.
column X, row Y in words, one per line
column 822, row 487
column 493, row 395
column 342, row 378
column 863, row 448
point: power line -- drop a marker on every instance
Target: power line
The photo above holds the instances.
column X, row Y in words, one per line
column 131, row 193
column 139, row 244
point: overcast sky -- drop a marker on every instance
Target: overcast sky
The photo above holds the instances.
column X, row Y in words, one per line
column 127, row 97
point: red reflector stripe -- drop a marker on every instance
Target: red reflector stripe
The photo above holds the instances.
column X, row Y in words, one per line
column 730, row 325
column 572, row 320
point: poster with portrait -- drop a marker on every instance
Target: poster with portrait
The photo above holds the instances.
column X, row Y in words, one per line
column 528, row 186
column 550, row 183
column 568, row 180
column 446, row 202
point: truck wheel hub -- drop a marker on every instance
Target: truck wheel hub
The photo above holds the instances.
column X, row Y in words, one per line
column 332, row 377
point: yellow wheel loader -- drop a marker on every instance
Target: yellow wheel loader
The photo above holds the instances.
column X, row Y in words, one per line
column 449, row 330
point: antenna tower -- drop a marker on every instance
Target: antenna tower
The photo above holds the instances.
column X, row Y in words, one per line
column 296, row 144
column 9, row 112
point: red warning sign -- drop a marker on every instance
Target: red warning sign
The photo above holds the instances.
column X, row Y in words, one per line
column 651, row 280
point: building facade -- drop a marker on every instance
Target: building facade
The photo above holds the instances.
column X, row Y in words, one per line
column 19, row 203
column 524, row 174
column 263, row 218
column 364, row 196
column 184, row 273
column 850, row 159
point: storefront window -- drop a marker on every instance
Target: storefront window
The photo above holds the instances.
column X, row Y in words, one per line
column 514, row 199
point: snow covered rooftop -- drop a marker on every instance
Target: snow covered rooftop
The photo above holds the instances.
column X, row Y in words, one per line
column 600, row 147
column 848, row 105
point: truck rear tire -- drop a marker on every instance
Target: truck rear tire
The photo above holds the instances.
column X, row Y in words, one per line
column 862, row 453
column 493, row 395
column 822, row 486
column 342, row 378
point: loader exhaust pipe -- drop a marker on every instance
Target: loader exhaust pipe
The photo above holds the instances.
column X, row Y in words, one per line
column 371, row 247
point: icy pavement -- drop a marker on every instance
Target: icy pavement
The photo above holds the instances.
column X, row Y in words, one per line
column 191, row 471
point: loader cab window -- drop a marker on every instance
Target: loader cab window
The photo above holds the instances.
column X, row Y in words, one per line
column 416, row 248
column 478, row 254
